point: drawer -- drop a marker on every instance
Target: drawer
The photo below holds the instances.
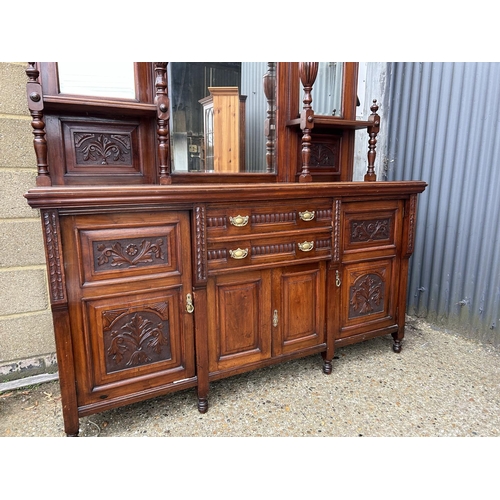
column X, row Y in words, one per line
column 245, row 219
column 266, row 251
column 371, row 225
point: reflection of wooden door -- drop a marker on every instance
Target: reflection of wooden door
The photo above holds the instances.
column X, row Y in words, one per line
column 224, row 130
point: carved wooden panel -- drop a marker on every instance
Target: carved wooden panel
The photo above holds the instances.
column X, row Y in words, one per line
column 371, row 225
column 299, row 304
column 94, row 150
column 124, row 252
column 133, row 336
column 240, row 321
column 368, row 295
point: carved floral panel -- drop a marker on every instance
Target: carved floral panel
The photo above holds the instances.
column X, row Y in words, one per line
column 366, row 295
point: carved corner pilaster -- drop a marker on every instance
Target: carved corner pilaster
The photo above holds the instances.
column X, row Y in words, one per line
column 412, row 215
column 53, row 252
column 336, row 231
column 200, row 250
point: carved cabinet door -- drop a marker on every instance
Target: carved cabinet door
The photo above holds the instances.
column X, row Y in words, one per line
column 370, row 270
column 129, row 281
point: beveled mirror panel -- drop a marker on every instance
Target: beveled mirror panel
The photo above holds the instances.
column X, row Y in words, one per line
column 327, row 90
column 222, row 117
column 98, row 79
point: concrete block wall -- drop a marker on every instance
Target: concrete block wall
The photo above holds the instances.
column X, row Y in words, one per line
column 26, row 334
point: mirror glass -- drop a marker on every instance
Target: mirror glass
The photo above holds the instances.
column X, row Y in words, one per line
column 99, row 79
column 222, row 116
column 327, row 90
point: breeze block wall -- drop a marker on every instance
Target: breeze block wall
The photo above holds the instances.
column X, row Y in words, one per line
column 26, row 333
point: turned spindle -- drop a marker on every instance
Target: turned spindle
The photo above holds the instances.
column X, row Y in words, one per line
column 163, row 115
column 269, row 83
column 35, row 105
column 373, row 131
column 307, row 72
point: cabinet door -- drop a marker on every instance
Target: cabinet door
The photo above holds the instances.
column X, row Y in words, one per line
column 368, row 296
column 298, row 307
column 239, row 319
column 128, row 277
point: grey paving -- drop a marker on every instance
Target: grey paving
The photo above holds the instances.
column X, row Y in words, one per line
column 439, row 385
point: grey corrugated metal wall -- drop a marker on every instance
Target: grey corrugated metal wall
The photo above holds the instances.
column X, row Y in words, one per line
column 443, row 127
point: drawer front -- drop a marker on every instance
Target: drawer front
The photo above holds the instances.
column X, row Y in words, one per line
column 371, row 225
column 265, row 251
column 246, row 219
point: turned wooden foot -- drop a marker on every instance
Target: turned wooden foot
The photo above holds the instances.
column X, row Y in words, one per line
column 327, row 367
column 396, row 345
column 202, row 405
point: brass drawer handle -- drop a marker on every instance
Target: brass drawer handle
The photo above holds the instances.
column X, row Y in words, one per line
column 306, row 216
column 239, row 220
column 239, row 253
column 307, row 246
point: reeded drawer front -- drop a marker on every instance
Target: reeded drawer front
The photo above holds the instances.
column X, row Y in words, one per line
column 234, row 253
column 259, row 218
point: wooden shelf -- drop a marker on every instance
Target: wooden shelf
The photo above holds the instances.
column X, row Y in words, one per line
column 321, row 121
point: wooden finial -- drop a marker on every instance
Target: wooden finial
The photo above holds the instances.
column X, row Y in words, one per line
column 373, row 131
column 307, row 72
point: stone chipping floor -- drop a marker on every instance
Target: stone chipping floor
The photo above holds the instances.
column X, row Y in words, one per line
column 440, row 385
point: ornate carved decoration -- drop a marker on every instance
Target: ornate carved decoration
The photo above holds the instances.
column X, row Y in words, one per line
column 323, row 244
column 276, row 218
column 102, row 148
column 220, row 222
column 307, row 72
column 220, row 254
column 336, row 231
column 366, row 295
column 35, row 104
column 163, row 115
column 54, row 254
column 373, row 131
column 323, row 155
column 259, row 250
column 132, row 253
column 136, row 338
column 412, row 216
column 370, row 230
column 201, row 265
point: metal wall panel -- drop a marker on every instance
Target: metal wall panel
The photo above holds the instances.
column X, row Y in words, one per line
column 444, row 129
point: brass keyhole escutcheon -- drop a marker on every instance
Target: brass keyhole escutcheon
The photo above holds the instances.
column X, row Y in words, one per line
column 338, row 281
column 275, row 318
column 189, row 304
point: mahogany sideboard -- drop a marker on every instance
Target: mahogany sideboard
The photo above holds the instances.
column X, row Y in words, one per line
column 163, row 279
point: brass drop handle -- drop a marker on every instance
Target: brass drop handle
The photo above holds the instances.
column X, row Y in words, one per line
column 307, row 215
column 275, row 318
column 239, row 253
column 338, row 281
column 307, row 246
column 239, row 220
column 189, row 304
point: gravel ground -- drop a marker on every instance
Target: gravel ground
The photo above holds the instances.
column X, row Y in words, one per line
column 439, row 385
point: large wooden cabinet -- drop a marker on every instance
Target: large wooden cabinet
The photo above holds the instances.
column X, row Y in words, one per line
column 160, row 281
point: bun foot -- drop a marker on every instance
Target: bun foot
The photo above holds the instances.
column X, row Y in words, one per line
column 202, row 405
column 327, row 367
column 396, row 346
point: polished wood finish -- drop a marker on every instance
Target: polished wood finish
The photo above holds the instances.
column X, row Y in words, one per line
column 161, row 281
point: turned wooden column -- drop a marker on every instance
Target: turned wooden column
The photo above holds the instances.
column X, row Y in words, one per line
column 308, row 71
column 35, row 105
column 163, row 116
column 269, row 82
column 373, row 131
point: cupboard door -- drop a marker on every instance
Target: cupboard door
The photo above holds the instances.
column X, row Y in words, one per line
column 368, row 296
column 298, row 307
column 239, row 319
column 128, row 278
